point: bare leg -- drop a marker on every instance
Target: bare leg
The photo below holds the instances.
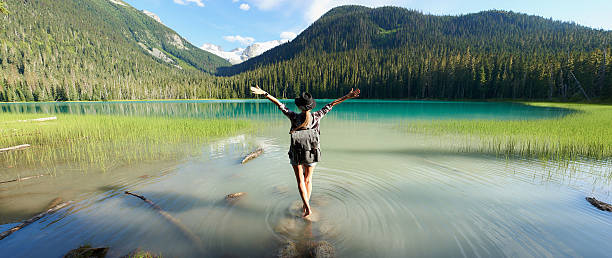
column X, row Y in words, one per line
column 297, row 169
column 308, row 171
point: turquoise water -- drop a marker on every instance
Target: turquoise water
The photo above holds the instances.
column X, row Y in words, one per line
column 378, row 192
column 263, row 109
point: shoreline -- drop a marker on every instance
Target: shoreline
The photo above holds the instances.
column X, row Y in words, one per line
column 607, row 103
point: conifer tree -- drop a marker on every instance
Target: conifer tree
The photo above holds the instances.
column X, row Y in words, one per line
column 3, row 8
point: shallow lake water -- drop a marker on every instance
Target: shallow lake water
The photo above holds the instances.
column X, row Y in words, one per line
column 379, row 192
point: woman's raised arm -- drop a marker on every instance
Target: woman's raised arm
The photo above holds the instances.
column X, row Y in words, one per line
column 258, row 91
column 350, row 95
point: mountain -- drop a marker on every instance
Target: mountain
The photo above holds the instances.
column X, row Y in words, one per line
column 233, row 56
column 157, row 39
column 103, row 49
column 393, row 52
column 356, row 27
column 240, row 55
column 152, row 15
column 98, row 49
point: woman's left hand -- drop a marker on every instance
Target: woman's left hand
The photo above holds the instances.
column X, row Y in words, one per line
column 353, row 93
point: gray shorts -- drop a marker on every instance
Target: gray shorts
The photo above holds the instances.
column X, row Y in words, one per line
column 308, row 165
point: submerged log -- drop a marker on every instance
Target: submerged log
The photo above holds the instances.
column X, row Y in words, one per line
column 252, row 155
column 599, row 204
column 55, row 202
column 39, row 119
column 19, row 179
column 174, row 221
column 33, row 219
column 235, row 197
column 87, row 251
column 18, row 147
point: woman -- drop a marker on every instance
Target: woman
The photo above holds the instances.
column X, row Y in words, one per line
column 304, row 152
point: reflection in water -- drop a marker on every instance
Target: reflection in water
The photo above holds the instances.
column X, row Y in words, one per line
column 386, row 194
column 260, row 109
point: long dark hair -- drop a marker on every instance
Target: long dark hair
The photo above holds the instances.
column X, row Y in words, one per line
column 305, row 102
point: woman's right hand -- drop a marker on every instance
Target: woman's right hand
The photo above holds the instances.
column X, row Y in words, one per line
column 257, row 90
column 353, row 93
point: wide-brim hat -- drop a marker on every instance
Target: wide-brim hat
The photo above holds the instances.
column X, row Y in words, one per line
column 306, row 101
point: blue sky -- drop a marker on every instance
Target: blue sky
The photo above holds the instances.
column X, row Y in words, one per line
column 237, row 23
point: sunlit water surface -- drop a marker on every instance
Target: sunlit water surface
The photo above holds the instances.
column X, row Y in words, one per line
column 378, row 192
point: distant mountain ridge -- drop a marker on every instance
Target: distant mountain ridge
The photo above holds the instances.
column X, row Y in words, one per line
column 393, row 52
column 239, row 55
column 162, row 42
column 351, row 27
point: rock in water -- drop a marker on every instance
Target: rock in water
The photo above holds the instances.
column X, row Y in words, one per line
column 235, row 197
column 140, row 253
column 599, row 204
column 87, row 252
column 288, row 250
column 321, row 249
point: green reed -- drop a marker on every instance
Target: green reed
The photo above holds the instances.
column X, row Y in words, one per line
column 585, row 133
column 104, row 141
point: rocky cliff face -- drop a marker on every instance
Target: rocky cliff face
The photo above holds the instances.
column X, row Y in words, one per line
column 152, row 15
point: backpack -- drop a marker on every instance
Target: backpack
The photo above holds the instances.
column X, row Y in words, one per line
column 304, row 148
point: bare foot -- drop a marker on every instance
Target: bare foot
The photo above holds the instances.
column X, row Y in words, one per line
column 307, row 212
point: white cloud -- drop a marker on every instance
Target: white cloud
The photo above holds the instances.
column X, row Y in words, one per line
column 242, row 40
column 245, row 7
column 186, row 2
column 271, row 4
column 288, row 35
column 316, row 9
column 235, row 1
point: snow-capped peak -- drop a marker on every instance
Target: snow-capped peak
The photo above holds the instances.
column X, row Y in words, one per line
column 259, row 48
column 234, row 56
column 239, row 55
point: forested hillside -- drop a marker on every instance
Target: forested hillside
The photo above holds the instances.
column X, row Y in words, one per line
column 394, row 52
column 97, row 49
column 2, row 8
column 102, row 49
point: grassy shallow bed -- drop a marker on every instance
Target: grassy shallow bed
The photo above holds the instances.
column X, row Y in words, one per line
column 585, row 133
column 101, row 141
